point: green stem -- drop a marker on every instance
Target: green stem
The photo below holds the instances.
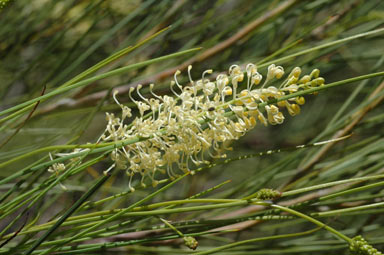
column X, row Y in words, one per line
column 346, row 210
column 70, row 211
column 91, row 70
column 96, row 78
column 227, row 246
column 117, row 215
column 112, row 58
column 47, row 185
column 326, row 86
column 279, row 52
column 319, row 223
column 349, row 191
column 83, row 248
column 148, row 211
column 27, row 170
column 329, row 184
column 284, row 59
column 172, row 227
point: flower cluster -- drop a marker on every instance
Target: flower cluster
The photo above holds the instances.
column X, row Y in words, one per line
column 57, row 168
column 359, row 246
column 200, row 118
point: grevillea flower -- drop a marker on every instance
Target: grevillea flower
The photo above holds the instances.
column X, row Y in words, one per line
column 180, row 131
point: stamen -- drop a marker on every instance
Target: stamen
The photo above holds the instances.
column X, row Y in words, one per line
column 115, row 92
column 151, row 86
column 131, row 89
column 209, row 71
column 106, row 172
column 177, row 83
column 132, row 189
column 138, row 92
column 173, row 91
column 190, row 76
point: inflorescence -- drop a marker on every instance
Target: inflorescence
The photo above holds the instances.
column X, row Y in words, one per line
column 180, row 131
column 359, row 246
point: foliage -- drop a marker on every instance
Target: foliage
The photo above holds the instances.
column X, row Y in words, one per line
column 310, row 185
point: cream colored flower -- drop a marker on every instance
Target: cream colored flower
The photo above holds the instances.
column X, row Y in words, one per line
column 183, row 129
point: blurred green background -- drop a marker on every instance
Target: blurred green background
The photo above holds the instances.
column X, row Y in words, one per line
column 46, row 43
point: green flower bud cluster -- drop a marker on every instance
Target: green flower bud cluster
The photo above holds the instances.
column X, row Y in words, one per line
column 359, row 246
column 190, row 242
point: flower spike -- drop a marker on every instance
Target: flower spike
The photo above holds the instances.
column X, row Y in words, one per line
column 198, row 122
